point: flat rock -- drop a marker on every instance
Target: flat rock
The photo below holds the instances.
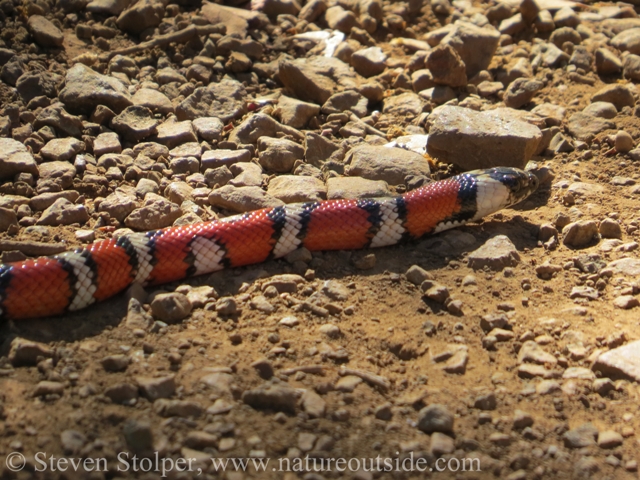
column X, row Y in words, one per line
column 293, row 189
column 260, row 125
column 272, row 397
column 225, row 100
column 62, row 148
column 157, row 212
column 584, row 126
column 356, row 187
column 45, row 33
column 107, row 7
column 308, row 84
column 618, row 94
column 580, row 437
column 278, row 154
column 369, row 61
column 208, row 128
column 348, row 101
column 142, row 15
column 15, row 158
column 620, row 362
column 531, row 352
column 107, row 142
column 157, row 387
column 85, row 89
column 475, row 45
column 628, row 41
column 391, row 165
column 497, row 253
column 470, row 139
column 435, row 418
column 295, row 113
column 154, row 100
column 242, row 199
column 172, row 133
column 407, row 104
column 63, row 212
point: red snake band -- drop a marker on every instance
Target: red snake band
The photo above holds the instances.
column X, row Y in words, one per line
column 73, row 280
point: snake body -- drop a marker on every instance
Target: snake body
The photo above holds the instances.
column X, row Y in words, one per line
column 73, row 280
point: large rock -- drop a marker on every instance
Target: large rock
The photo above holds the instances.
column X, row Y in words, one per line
column 225, row 100
column 628, row 40
column 392, row 165
column 142, row 15
column 85, row 89
column 621, row 362
column 45, row 33
column 497, row 253
column 475, row 45
column 584, row 126
column 473, row 140
column 15, row 158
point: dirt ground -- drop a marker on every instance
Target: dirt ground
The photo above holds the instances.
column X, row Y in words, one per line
column 386, row 328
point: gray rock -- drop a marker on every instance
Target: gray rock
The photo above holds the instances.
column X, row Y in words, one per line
column 154, row 100
column 62, row 149
column 348, row 101
column 609, row 439
column 46, row 387
column 307, row 83
column 177, row 408
column 446, row 66
column 107, row 142
column 260, row 125
column 222, row 157
column 601, row 109
column 85, row 89
column 171, row 307
column 32, row 85
column 279, row 398
column 467, row 138
column 138, row 435
column 293, row 189
column 620, row 95
column 631, row 67
column 208, row 128
column 107, row 7
column 521, row 91
column 225, row 100
column 135, row 123
column 369, row 61
column 119, row 204
column 356, row 187
column 620, row 362
column 142, row 15
column 246, row 175
column 122, row 393
column 278, row 154
column 607, row 63
column 531, row 352
column 497, row 253
column 435, row 418
column 72, row 441
column 295, row 113
column 157, row 387
column 391, row 165
column 580, row 437
column 475, row 45
column 25, row 352
column 579, row 234
column 157, row 212
column 584, row 126
column 115, row 363
column 627, row 41
column 63, row 212
column 242, row 199
column 45, row 33
column 407, row 104
column 173, row 134
column 318, row 149
column 441, row 444
column 15, row 158
column 55, row 116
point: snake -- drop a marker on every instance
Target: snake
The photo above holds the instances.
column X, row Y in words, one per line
column 50, row 286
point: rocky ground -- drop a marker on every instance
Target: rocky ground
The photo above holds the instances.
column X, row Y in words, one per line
column 514, row 342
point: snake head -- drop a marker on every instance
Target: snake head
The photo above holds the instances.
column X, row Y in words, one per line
column 501, row 187
column 520, row 184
